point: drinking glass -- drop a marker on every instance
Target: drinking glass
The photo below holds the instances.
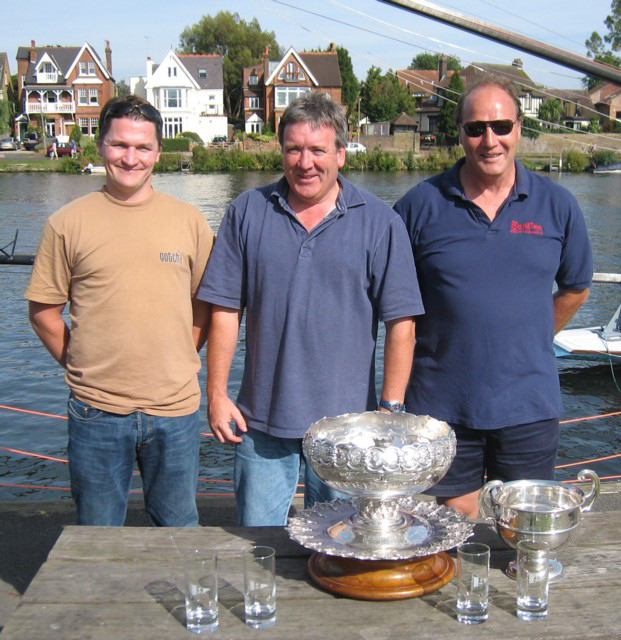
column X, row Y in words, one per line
column 201, row 589
column 260, row 587
column 472, row 582
column 533, row 566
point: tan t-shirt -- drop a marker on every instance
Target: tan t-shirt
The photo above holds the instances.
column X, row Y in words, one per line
column 129, row 272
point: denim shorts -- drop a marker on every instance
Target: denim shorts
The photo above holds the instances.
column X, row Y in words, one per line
column 522, row 452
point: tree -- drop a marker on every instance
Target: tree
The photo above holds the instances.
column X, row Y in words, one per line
column 122, row 88
column 551, row 111
column 6, row 116
column 446, row 119
column 240, row 43
column 431, row 62
column 383, row 97
column 351, row 84
column 596, row 45
column 531, row 128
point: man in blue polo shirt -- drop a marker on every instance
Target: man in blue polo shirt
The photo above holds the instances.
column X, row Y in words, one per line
column 490, row 239
column 315, row 262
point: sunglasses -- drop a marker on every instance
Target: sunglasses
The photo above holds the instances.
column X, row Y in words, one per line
column 477, row 128
column 120, row 109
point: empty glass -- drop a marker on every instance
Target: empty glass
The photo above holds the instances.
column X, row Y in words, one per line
column 472, row 582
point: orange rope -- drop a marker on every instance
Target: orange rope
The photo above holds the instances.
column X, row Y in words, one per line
column 575, row 464
column 604, row 415
column 36, row 413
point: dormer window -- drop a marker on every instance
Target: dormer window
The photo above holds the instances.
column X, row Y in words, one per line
column 253, row 79
column 202, row 73
column 172, row 72
column 47, row 73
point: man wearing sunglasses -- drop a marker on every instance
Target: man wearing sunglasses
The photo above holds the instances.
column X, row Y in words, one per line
column 490, row 241
column 128, row 259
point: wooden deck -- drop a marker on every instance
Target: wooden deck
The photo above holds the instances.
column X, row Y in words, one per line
column 107, row 583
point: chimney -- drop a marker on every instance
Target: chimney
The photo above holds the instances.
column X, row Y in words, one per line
column 332, row 47
column 108, row 57
column 149, row 66
column 33, row 52
column 442, row 66
column 517, row 63
column 266, row 63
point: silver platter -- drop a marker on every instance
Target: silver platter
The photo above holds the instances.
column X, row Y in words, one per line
column 426, row 528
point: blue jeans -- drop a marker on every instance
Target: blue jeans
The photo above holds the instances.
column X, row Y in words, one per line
column 267, row 470
column 103, row 448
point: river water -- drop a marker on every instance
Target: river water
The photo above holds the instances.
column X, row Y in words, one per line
column 31, row 380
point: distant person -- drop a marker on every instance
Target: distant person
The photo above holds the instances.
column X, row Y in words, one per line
column 315, row 262
column 490, row 239
column 128, row 259
column 74, row 149
column 54, row 151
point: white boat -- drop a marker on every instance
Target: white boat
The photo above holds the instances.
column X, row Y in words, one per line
column 612, row 167
column 90, row 168
column 602, row 344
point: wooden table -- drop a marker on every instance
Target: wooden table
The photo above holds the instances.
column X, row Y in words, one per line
column 102, row 583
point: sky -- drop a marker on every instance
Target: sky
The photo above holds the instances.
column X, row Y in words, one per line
column 373, row 32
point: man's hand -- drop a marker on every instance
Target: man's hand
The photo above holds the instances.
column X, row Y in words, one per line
column 223, row 415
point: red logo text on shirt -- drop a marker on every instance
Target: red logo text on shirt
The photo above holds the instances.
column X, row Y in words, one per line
column 526, row 227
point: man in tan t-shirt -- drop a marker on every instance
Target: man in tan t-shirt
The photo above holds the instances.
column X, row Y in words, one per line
column 129, row 260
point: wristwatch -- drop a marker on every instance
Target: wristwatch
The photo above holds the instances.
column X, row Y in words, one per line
column 393, row 406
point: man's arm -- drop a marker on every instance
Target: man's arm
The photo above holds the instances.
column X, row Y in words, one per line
column 200, row 322
column 398, row 357
column 566, row 303
column 48, row 323
column 222, row 340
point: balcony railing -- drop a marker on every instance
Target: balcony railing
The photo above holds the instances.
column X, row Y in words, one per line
column 50, row 107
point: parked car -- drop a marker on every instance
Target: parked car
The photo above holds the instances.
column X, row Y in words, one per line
column 427, row 138
column 219, row 139
column 355, row 147
column 9, row 144
column 30, row 141
column 62, row 149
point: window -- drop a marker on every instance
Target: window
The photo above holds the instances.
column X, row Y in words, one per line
column 172, row 98
column 94, row 122
column 286, row 95
column 202, row 73
column 93, row 96
column 254, row 103
column 172, row 72
column 50, row 97
column 83, row 122
column 172, row 127
column 255, row 127
column 88, row 126
column 87, row 68
column 291, row 73
column 82, row 96
column 253, row 79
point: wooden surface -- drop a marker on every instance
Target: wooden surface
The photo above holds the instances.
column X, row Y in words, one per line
column 105, row 583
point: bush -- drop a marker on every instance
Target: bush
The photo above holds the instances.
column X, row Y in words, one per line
column 175, row 144
column 91, row 153
column 191, row 136
column 168, row 162
column 604, row 156
column 575, row 161
column 69, row 165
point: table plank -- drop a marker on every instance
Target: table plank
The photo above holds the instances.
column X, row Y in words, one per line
column 108, row 583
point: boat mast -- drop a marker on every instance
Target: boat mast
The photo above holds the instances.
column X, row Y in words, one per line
column 598, row 70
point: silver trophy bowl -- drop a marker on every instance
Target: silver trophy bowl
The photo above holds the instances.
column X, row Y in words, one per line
column 380, row 460
column 537, row 510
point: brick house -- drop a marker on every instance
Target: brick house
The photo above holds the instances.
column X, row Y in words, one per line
column 188, row 90
column 269, row 87
column 61, row 87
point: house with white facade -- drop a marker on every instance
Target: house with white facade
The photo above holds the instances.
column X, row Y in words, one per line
column 188, row 90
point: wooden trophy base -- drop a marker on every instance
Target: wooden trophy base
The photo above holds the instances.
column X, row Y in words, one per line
column 381, row 579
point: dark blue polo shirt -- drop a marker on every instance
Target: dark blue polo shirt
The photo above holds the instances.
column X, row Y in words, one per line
column 484, row 355
column 313, row 301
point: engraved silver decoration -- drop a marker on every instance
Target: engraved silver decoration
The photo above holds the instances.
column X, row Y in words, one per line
column 537, row 510
column 380, row 459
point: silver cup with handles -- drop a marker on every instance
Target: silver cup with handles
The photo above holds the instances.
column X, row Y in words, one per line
column 537, row 510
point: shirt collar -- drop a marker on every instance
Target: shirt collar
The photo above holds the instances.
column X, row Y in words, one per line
column 349, row 196
column 451, row 183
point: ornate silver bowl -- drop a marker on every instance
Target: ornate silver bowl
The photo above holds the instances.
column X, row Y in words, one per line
column 537, row 510
column 380, row 459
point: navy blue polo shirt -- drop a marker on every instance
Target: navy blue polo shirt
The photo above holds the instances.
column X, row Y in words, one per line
column 484, row 355
column 312, row 301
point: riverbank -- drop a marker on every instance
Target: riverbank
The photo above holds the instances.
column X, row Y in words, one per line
column 205, row 160
column 29, row 530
